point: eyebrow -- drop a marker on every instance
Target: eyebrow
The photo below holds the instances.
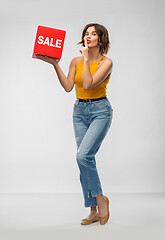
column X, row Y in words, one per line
column 92, row 31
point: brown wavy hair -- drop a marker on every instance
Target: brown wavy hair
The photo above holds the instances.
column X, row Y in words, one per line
column 102, row 34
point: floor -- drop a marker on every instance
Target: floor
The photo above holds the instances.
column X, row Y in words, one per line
column 47, row 216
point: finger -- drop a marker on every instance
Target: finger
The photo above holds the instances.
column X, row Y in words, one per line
column 38, row 56
column 41, row 57
column 86, row 45
column 81, row 49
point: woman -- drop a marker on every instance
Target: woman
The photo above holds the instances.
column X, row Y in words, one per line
column 92, row 112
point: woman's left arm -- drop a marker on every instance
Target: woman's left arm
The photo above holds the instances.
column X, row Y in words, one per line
column 91, row 81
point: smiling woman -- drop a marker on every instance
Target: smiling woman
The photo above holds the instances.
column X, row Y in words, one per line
column 92, row 112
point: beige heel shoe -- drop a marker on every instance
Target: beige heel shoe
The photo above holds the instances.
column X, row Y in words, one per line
column 86, row 221
column 105, row 218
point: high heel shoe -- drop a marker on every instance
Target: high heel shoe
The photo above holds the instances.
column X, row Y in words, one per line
column 86, row 221
column 105, row 218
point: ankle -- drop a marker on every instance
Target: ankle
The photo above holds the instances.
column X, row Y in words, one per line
column 100, row 199
column 93, row 209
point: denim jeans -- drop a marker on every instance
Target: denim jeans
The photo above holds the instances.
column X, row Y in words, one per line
column 91, row 122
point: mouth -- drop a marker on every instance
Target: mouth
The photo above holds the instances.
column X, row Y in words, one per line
column 88, row 41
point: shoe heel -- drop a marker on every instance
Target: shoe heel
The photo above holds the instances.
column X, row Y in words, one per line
column 104, row 219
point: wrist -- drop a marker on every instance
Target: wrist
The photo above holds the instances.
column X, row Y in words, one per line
column 55, row 63
column 86, row 60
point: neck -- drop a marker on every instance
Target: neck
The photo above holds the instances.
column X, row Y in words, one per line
column 94, row 54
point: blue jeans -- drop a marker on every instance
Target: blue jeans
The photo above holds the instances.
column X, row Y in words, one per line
column 91, row 122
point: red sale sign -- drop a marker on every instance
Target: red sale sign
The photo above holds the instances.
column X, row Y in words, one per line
column 49, row 42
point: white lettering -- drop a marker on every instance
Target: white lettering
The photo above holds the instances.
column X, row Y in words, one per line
column 40, row 38
column 46, row 41
column 51, row 44
column 57, row 42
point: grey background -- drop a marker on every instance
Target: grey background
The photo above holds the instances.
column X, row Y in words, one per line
column 37, row 142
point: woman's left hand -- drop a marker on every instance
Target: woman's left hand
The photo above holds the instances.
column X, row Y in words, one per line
column 84, row 50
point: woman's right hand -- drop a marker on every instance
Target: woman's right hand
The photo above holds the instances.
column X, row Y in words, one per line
column 47, row 59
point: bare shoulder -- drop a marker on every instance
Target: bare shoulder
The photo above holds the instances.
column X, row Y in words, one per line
column 76, row 60
column 106, row 59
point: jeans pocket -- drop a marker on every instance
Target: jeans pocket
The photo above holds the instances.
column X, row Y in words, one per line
column 109, row 104
column 100, row 104
column 76, row 103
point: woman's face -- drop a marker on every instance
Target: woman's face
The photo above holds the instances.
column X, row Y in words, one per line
column 92, row 36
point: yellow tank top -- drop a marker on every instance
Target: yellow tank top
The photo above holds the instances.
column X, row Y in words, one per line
column 96, row 92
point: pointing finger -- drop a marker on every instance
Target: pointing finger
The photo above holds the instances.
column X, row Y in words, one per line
column 86, row 45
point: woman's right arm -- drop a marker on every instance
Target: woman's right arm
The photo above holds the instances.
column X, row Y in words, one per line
column 66, row 82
